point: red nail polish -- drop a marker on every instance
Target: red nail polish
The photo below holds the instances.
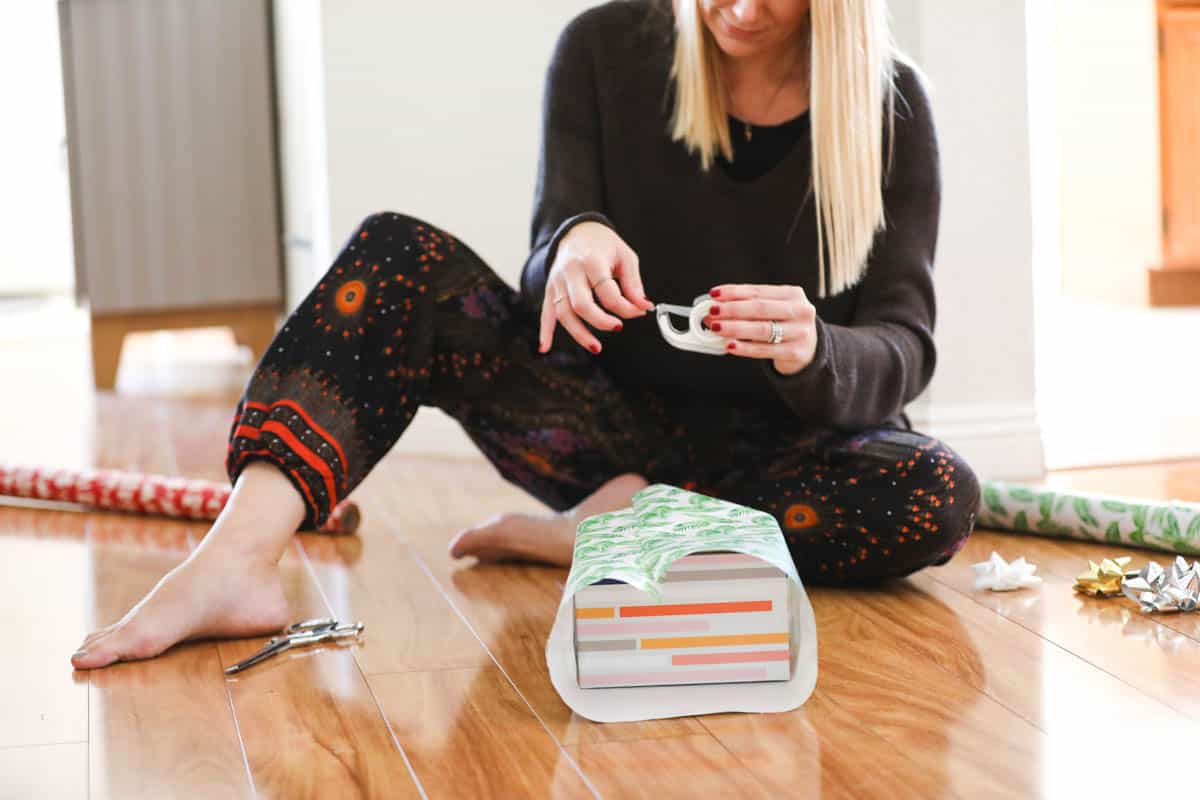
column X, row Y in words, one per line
column 619, row 326
column 731, row 345
column 715, row 310
column 595, row 348
column 716, row 326
column 715, row 293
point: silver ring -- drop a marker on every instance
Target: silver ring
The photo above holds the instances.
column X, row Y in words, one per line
column 602, row 280
column 776, row 332
column 557, row 299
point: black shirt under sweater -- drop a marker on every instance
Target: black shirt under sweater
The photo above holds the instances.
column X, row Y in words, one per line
column 767, row 146
column 607, row 155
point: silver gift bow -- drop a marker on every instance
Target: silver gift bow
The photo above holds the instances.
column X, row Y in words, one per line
column 1176, row 588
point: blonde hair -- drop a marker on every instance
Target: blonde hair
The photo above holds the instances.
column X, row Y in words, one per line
column 851, row 70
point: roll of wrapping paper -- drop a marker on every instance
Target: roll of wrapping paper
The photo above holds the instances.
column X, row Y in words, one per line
column 140, row 494
column 1171, row 525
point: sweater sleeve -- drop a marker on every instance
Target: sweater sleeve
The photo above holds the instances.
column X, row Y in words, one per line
column 867, row 371
column 569, row 187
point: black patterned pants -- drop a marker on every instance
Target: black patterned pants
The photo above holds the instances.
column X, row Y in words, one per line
column 407, row 316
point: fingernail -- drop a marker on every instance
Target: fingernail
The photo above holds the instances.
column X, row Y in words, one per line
column 731, row 345
column 595, row 348
column 715, row 293
column 716, row 326
column 715, row 310
column 79, row 654
column 618, row 327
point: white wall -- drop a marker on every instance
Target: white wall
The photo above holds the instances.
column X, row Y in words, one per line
column 434, row 109
column 981, row 400
column 300, row 93
column 35, row 204
column 1108, row 148
column 440, row 119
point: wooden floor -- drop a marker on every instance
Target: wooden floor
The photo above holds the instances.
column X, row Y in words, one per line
column 926, row 689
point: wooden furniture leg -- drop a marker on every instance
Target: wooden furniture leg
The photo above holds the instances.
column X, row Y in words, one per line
column 252, row 325
column 255, row 328
column 108, row 336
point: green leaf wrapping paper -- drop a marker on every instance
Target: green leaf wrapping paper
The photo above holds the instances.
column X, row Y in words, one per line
column 666, row 523
column 637, row 545
column 1170, row 525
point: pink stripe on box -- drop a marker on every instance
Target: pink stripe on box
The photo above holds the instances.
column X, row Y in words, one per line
column 684, row 659
column 605, row 628
column 704, row 559
column 675, row 676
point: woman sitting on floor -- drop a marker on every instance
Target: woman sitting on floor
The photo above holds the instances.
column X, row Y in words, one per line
column 777, row 157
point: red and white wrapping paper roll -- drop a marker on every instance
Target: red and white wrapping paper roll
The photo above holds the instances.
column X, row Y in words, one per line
column 140, row 494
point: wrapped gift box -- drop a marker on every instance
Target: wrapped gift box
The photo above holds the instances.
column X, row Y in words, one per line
column 721, row 618
column 681, row 588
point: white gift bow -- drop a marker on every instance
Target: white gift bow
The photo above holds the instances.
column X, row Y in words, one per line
column 1001, row 576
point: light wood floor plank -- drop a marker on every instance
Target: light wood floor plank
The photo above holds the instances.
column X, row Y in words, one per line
column 48, row 772
column 43, row 562
column 961, row 738
column 660, row 769
column 312, row 729
column 469, row 734
column 1015, row 667
column 821, row 751
column 163, row 727
column 1063, row 560
column 510, row 606
column 1108, row 633
column 410, row 627
column 309, row 724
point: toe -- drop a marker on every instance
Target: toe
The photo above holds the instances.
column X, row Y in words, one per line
column 96, row 634
column 94, row 654
column 471, row 541
column 123, row 643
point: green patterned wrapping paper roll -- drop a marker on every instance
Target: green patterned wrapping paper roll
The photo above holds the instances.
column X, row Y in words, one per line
column 1170, row 525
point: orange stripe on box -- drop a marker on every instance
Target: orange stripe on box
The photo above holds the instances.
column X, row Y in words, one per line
column 684, row 659
column 696, row 608
column 713, row 641
column 595, row 613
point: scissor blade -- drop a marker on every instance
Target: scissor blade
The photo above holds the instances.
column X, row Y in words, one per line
column 269, row 649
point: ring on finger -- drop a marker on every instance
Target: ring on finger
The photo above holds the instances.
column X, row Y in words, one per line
column 602, row 280
column 776, row 332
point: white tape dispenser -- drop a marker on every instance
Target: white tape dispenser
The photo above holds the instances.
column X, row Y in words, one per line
column 696, row 337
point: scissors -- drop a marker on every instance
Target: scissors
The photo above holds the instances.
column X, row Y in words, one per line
column 310, row 631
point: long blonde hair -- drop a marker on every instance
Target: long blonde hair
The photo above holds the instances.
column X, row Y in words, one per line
column 851, row 71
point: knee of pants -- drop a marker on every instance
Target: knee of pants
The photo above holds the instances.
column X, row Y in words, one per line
column 956, row 496
column 936, row 491
column 385, row 231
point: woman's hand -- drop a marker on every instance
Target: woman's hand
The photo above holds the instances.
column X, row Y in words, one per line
column 743, row 313
column 591, row 260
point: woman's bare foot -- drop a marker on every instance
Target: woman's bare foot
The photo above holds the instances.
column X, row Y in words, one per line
column 207, row 595
column 230, row 585
column 545, row 538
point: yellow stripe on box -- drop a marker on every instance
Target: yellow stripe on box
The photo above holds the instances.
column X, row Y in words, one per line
column 714, row 641
column 595, row 613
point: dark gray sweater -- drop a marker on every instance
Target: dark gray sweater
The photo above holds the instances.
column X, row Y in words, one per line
column 606, row 155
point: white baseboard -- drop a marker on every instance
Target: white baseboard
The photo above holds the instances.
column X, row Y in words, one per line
column 999, row 442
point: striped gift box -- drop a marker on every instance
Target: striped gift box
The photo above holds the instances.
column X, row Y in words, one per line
column 723, row 618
